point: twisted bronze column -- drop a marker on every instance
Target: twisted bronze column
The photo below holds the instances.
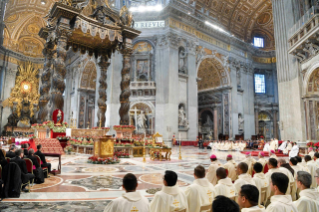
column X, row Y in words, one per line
column 48, row 53
column 104, row 64
column 125, row 87
column 58, row 84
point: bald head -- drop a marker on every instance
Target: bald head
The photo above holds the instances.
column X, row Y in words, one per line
column 221, row 173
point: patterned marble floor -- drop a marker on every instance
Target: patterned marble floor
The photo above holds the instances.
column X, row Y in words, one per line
column 91, row 186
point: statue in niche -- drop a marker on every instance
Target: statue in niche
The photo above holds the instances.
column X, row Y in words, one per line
column 240, row 122
column 182, row 118
column 141, row 119
column 182, row 59
column 208, row 122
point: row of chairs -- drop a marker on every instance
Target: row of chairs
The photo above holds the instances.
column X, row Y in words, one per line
column 30, row 168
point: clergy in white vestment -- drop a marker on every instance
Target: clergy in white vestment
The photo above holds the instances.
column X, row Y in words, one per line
column 273, row 154
column 294, row 150
column 282, row 146
column 311, row 152
column 132, row 200
column 280, row 202
column 230, row 166
column 224, row 186
column 262, row 159
column 243, row 177
column 171, row 197
column 242, row 145
column 236, row 146
column 201, row 192
column 311, row 165
column 272, row 145
column 273, row 168
column 309, row 198
column 266, row 147
column 288, row 148
column 316, row 157
column 317, row 178
column 211, row 173
column 260, row 179
column 250, row 161
column 293, row 163
column 224, row 204
column 248, row 197
column 276, row 143
column 302, row 164
column 282, row 164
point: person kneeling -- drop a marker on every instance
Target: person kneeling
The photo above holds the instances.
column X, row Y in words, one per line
column 132, row 200
column 25, row 176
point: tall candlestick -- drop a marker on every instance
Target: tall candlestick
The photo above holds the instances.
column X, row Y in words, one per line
column 144, row 159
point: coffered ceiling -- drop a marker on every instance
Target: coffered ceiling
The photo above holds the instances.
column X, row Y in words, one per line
column 243, row 18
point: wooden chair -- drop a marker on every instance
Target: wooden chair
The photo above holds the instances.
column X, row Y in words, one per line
column 263, row 195
column 43, row 168
column 233, row 198
column 29, row 167
column 182, row 210
column 206, row 208
column 291, row 185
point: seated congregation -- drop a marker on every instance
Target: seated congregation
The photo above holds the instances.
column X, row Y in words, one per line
column 285, row 187
column 20, row 168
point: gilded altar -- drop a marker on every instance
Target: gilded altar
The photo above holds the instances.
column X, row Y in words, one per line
column 86, row 132
column 104, row 147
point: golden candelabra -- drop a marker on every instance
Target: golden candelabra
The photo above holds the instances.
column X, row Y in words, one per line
column 144, row 159
column 180, row 150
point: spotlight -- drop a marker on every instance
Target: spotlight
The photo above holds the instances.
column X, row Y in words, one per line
column 216, row 27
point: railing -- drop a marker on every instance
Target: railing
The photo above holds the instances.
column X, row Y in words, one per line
column 303, row 20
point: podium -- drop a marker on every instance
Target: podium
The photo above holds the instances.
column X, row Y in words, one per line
column 104, row 147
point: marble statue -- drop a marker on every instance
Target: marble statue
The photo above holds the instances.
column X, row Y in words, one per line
column 208, row 122
column 182, row 56
column 141, row 120
column 240, row 122
column 182, row 119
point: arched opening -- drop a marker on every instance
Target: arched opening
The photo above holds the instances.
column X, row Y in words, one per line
column 265, row 124
column 87, row 96
column 143, row 118
column 213, row 95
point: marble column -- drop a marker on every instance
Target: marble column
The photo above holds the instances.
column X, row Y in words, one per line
column 125, row 86
column 58, row 84
column 103, row 64
column 192, row 94
column 256, row 121
column 289, row 80
column 215, row 124
column 45, row 96
column 274, row 114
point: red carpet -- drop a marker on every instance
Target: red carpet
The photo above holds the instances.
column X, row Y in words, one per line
column 255, row 153
column 49, row 145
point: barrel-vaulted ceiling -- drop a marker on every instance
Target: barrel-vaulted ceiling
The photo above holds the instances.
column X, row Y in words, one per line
column 23, row 20
column 243, row 18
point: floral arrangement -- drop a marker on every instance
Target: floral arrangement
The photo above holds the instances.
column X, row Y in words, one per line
column 317, row 144
column 97, row 160
column 68, row 148
column 120, row 154
column 63, row 137
column 310, row 144
column 50, row 124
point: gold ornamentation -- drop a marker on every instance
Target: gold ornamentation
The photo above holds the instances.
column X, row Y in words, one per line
column 27, row 76
column 33, row 29
column 126, row 16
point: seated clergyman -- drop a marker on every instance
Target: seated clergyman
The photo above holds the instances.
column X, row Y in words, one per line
column 248, row 198
column 171, row 197
column 132, row 200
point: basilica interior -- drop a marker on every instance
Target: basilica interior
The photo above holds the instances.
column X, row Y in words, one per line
column 135, row 79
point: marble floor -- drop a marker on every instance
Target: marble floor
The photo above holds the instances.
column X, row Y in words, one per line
column 84, row 184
